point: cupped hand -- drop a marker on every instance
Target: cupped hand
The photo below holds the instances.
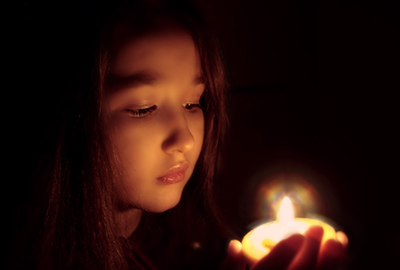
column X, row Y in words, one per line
column 305, row 252
column 293, row 253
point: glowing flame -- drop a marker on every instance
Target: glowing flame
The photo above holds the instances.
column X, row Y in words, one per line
column 259, row 242
column 286, row 213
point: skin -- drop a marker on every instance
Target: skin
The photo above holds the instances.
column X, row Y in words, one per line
column 294, row 253
column 156, row 122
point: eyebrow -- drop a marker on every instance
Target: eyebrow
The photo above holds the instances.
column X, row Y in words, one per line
column 115, row 82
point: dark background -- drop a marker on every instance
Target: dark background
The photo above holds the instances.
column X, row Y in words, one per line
column 313, row 93
column 314, row 87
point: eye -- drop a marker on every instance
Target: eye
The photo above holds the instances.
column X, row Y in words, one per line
column 142, row 112
column 192, row 106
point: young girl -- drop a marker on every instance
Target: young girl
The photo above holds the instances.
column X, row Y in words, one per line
column 130, row 182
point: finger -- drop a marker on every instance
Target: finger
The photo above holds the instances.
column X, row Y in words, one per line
column 281, row 255
column 307, row 257
column 331, row 255
column 234, row 259
column 342, row 238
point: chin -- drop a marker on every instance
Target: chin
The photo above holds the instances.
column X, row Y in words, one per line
column 162, row 205
column 160, row 209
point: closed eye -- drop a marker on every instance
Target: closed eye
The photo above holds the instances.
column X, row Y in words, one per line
column 192, row 106
column 142, row 112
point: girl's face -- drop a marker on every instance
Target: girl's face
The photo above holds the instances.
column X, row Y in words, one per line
column 156, row 125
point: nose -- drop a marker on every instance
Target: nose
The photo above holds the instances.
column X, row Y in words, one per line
column 179, row 138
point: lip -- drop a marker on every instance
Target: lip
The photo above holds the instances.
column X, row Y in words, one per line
column 175, row 174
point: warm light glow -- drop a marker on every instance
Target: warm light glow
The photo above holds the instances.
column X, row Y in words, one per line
column 286, row 213
column 259, row 242
column 271, row 185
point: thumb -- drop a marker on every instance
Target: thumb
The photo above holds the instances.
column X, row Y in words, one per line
column 234, row 259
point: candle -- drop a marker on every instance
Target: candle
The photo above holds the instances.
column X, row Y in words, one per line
column 259, row 241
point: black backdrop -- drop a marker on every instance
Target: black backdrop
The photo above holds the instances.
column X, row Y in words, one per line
column 313, row 86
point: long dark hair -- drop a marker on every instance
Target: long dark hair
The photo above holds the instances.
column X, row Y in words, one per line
column 78, row 183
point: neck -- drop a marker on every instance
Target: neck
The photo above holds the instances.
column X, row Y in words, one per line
column 128, row 221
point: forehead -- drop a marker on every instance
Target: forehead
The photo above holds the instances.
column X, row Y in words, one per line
column 162, row 51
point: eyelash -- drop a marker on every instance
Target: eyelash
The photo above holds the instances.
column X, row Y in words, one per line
column 145, row 112
column 139, row 113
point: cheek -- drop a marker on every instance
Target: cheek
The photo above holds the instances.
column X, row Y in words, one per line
column 137, row 153
column 196, row 127
column 137, row 146
column 137, row 149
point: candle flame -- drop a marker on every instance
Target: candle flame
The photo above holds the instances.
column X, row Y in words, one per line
column 286, row 213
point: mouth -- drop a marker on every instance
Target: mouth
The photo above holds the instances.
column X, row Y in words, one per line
column 174, row 175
